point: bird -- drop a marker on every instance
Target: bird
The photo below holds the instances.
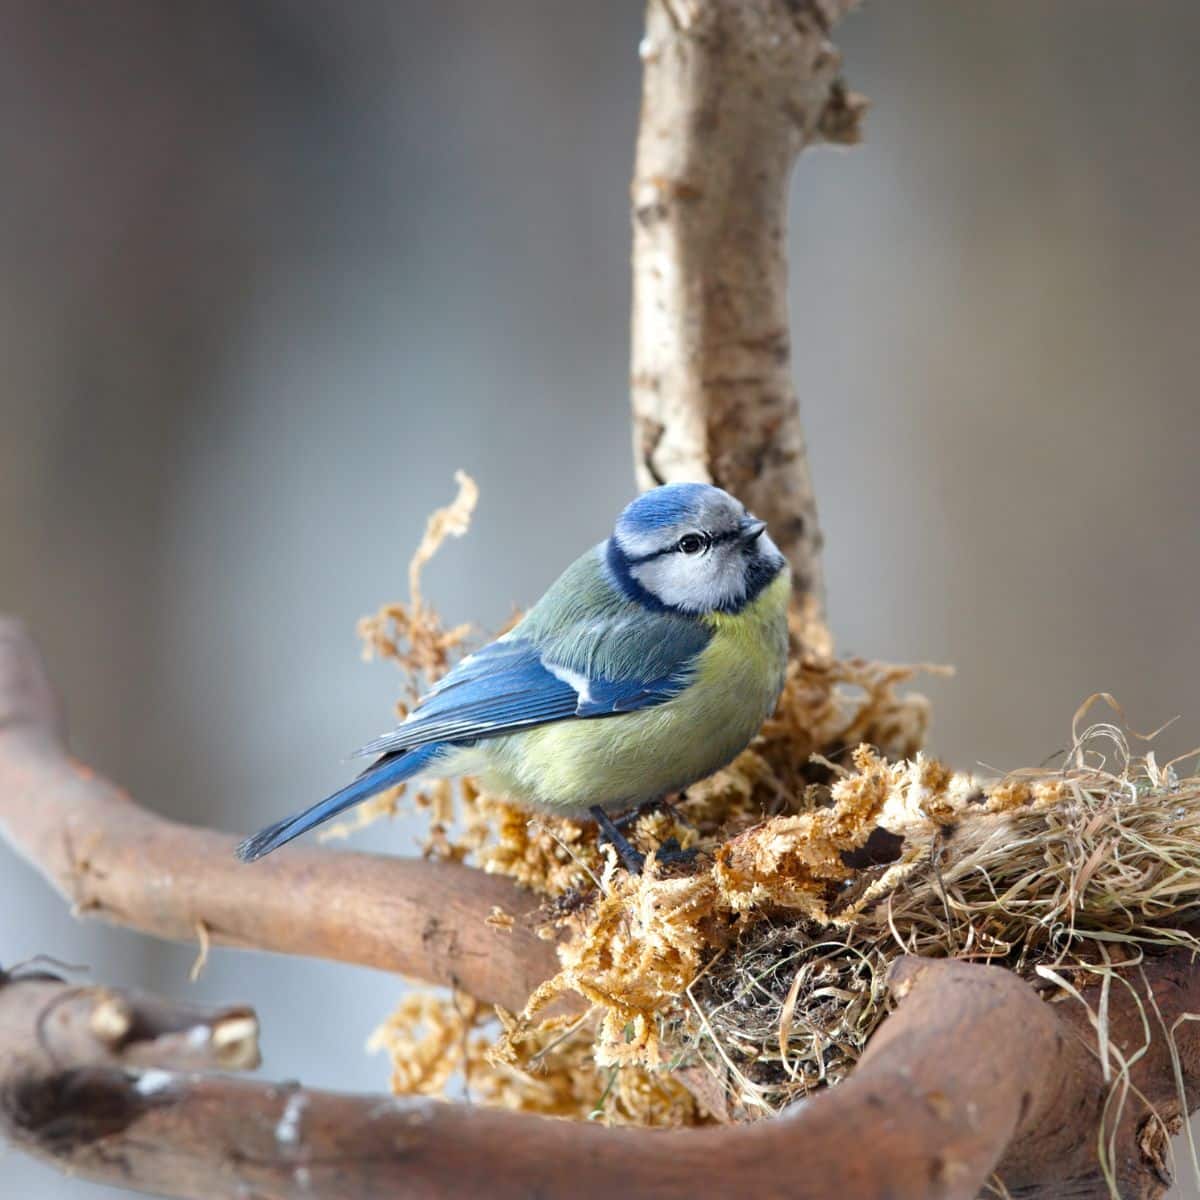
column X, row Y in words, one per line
column 649, row 664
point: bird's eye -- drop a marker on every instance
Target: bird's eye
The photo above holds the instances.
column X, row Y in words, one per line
column 690, row 543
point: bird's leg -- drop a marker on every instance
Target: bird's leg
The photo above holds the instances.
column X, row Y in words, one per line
column 626, row 819
column 672, row 852
column 633, row 860
column 612, row 830
column 658, row 804
column 666, row 804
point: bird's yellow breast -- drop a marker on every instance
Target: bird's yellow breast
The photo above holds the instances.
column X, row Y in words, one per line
column 624, row 759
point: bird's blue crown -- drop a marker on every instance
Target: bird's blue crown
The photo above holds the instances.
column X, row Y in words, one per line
column 664, row 506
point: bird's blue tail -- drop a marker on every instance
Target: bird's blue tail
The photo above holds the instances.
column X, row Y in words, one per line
column 386, row 772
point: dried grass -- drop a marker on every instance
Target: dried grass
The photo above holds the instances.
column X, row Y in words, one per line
column 725, row 989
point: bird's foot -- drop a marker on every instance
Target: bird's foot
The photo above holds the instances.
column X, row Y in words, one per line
column 658, row 804
column 610, row 832
column 630, row 817
column 671, row 852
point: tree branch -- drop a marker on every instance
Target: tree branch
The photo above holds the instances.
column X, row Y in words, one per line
column 46, row 1022
column 114, row 860
column 1022, row 1088
column 733, row 90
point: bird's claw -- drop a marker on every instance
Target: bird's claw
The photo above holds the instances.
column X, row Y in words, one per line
column 671, row 852
column 634, row 861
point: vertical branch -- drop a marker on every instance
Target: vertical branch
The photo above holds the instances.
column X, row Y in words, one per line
column 732, row 91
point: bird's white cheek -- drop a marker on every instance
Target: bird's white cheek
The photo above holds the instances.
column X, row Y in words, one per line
column 728, row 581
column 692, row 584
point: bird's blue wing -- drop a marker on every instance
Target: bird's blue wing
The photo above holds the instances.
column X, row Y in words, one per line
column 517, row 682
column 584, row 650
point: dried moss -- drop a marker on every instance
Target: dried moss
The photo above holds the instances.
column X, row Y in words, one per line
column 729, row 987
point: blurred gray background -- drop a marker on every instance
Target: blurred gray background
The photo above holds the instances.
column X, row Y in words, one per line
column 270, row 271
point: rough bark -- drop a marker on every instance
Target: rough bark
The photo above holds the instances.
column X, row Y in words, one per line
column 972, row 1070
column 1089, row 1119
column 47, row 1023
column 733, row 90
column 112, row 859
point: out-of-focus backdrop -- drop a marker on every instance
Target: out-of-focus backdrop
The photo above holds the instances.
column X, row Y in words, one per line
column 270, row 271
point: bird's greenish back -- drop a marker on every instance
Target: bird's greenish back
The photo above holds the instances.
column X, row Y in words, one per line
column 585, row 623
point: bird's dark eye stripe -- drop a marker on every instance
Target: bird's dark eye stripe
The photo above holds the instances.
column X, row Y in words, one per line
column 710, row 539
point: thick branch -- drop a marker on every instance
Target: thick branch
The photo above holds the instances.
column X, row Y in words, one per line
column 1148, row 1009
column 112, row 859
column 47, row 1024
column 972, row 1062
column 733, row 89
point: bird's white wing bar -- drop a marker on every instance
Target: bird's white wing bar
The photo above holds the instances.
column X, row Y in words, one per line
column 508, row 686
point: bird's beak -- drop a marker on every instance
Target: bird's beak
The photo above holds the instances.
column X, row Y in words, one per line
column 751, row 530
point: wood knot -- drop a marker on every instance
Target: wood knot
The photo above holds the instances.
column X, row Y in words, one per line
column 946, row 1172
column 1154, row 1144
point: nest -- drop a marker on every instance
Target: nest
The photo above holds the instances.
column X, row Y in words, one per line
column 729, row 987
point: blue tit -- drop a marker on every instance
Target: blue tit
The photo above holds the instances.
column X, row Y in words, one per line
column 650, row 663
